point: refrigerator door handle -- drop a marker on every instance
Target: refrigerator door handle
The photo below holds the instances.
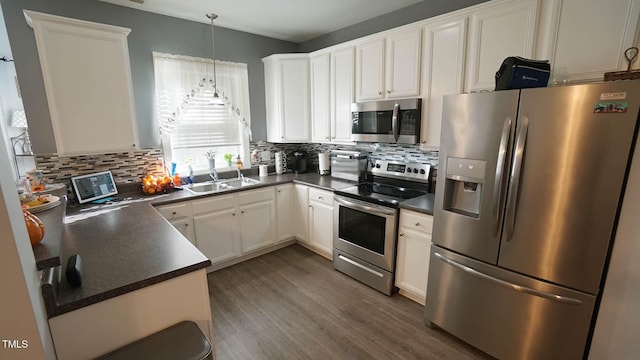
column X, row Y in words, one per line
column 516, row 168
column 516, row 287
column 395, row 124
column 497, row 186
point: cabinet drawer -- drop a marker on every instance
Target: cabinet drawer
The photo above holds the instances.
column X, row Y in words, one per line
column 213, row 203
column 416, row 221
column 321, row 196
column 253, row 196
column 175, row 211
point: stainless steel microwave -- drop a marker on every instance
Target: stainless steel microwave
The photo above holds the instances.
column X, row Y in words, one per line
column 391, row 121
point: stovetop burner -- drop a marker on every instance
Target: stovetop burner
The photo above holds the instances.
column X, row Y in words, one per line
column 390, row 183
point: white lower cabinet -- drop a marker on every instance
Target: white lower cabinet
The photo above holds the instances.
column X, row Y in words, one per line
column 412, row 265
column 216, row 227
column 180, row 216
column 301, row 210
column 321, row 222
column 234, row 227
column 257, row 218
column 285, row 212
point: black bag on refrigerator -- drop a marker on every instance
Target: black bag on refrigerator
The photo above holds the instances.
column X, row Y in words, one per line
column 519, row 73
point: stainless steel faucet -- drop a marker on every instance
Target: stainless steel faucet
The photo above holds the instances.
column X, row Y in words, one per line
column 214, row 175
column 240, row 175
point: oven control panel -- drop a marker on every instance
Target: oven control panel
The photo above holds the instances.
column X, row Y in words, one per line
column 404, row 170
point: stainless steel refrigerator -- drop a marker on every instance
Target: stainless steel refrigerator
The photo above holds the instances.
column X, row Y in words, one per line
column 528, row 193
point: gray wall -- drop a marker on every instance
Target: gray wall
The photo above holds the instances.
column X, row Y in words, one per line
column 149, row 32
column 423, row 10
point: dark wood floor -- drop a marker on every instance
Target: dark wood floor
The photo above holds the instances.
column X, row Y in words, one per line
column 292, row 304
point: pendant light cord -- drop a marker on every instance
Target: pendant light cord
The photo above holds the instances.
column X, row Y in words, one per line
column 213, row 16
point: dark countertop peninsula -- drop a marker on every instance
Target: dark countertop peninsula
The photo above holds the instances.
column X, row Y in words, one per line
column 127, row 245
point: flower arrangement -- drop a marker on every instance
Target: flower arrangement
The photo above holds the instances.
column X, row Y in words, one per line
column 210, row 154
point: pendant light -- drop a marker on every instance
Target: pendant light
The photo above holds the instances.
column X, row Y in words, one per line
column 216, row 98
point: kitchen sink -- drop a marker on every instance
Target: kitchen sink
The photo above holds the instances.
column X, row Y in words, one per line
column 240, row 182
column 211, row 187
column 206, row 187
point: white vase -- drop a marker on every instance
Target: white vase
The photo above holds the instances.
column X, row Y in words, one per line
column 212, row 163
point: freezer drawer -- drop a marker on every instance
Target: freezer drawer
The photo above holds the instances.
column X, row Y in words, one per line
column 506, row 315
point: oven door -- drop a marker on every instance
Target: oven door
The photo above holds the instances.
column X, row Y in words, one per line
column 366, row 231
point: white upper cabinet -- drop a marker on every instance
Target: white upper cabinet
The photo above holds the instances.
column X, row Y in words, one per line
column 320, row 97
column 287, row 95
column 591, row 37
column 332, row 92
column 443, row 74
column 87, row 79
column 389, row 67
column 342, row 94
column 403, row 64
column 370, row 70
column 496, row 32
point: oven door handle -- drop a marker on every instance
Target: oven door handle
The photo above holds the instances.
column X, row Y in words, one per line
column 358, row 205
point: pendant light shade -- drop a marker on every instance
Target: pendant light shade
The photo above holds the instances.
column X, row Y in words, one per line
column 216, row 98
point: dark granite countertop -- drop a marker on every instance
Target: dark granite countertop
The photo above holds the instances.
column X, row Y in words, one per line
column 127, row 245
column 423, row 204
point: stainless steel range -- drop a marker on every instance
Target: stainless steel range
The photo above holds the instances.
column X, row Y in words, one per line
column 366, row 221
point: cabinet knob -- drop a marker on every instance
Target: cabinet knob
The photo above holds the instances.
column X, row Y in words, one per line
column 417, row 224
column 379, row 92
column 233, row 214
column 320, row 198
column 388, row 91
column 401, row 234
column 186, row 225
column 282, row 137
column 133, row 145
column 242, row 212
column 279, row 190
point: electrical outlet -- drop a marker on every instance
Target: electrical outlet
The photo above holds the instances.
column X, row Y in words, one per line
column 265, row 155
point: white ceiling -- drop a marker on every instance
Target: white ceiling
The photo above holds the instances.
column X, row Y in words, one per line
column 291, row 20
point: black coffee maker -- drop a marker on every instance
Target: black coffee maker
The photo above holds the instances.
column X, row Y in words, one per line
column 299, row 162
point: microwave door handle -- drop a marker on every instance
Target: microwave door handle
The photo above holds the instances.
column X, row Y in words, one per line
column 395, row 124
column 514, row 182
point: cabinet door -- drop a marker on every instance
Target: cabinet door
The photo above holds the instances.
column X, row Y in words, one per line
column 295, row 110
column 370, row 70
column 287, row 95
column 257, row 225
column 87, row 78
column 592, row 36
column 321, row 227
column 320, row 97
column 217, row 234
column 443, row 70
column 342, row 73
column 185, row 226
column 286, row 212
column 497, row 32
column 414, row 241
column 301, row 210
column 403, row 64
column 257, row 218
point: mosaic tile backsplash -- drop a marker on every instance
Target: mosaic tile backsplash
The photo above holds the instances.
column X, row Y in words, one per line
column 376, row 151
column 129, row 167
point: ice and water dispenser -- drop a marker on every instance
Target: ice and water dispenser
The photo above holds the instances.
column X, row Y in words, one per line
column 464, row 182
